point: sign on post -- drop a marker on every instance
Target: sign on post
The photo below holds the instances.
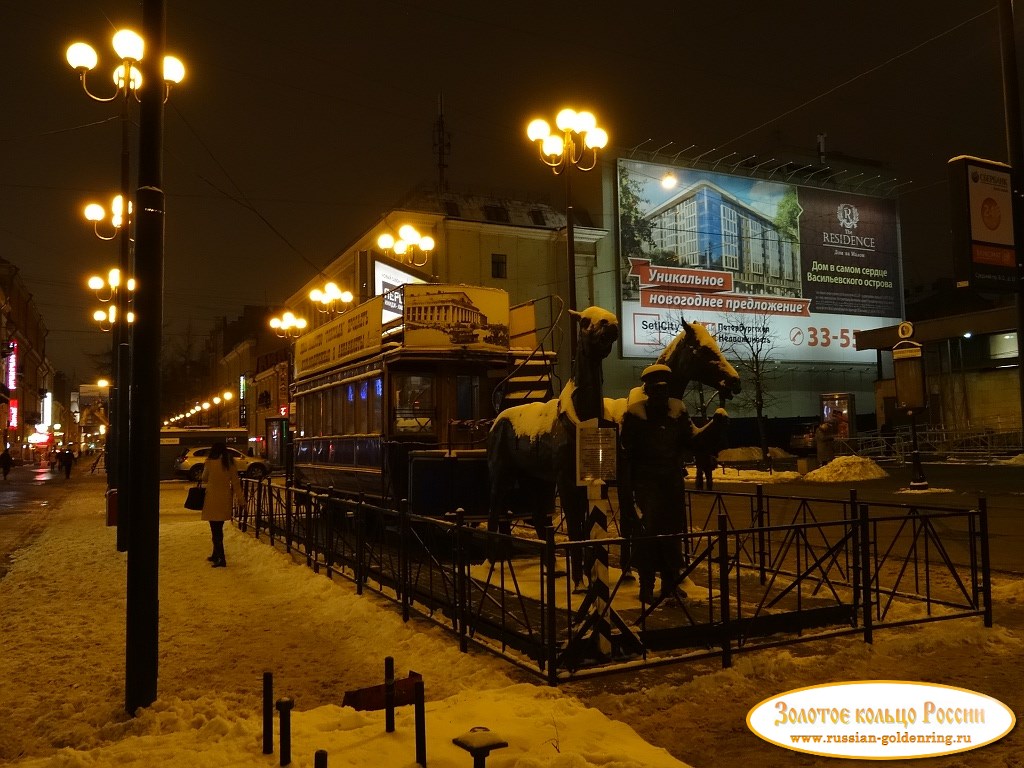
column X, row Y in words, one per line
column 908, row 369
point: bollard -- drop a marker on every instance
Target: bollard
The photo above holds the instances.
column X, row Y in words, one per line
column 268, row 713
column 389, row 694
column 320, row 758
column 421, row 726
column 284, row 706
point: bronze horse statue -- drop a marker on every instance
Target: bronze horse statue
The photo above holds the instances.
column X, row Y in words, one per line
column 531, row 448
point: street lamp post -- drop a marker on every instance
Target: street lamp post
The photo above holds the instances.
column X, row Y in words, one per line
column 129, row 48
column 142, row 593
column 574, row 146
column 289, row 327
column 114, row 292
column 410, row 247
column 330, row 299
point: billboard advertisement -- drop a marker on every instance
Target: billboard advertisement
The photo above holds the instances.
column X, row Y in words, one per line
column 799, row 268
column 982, row 212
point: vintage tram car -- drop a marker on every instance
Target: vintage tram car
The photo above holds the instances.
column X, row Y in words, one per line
column 406, row 385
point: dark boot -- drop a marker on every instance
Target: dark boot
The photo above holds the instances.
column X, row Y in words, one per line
column 220, row 562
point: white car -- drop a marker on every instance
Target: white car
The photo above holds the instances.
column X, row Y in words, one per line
column 190, row 463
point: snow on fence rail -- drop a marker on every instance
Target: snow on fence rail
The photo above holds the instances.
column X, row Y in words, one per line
column 759, row 571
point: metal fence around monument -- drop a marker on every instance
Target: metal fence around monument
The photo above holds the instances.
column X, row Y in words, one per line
column 760, row 571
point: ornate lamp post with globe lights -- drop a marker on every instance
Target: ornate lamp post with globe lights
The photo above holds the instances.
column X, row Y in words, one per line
column 130, row 49
column 574, row 146
column 142, row 593
column 116, row 296
column 289, row 327
column 330, row 299
column 410, row 247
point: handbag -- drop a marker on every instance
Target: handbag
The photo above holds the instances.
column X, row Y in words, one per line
column 196, row 497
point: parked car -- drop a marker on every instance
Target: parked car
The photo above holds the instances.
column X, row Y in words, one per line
column 191, row 461
column 801, row 439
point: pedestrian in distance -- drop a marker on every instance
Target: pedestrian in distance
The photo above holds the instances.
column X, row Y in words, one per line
column 223, row 493
column 67, row 461
column 705, row 462
column 6, row 462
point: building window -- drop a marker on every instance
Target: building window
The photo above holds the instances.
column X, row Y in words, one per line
column 730, row 239
column 537, row 217
column 452, row 208
column 496, row 213
column 691, row 251
column 499, row 266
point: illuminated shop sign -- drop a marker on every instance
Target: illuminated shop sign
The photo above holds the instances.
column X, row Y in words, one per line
column 11, row 367
column 15, row 421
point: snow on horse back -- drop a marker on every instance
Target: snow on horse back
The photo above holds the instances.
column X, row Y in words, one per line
column 529, row 448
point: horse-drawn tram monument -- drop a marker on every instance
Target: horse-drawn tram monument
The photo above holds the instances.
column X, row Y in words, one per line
column 438, row 462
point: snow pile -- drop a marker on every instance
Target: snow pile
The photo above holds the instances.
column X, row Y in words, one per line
column 846, row 468
column 1017, row 460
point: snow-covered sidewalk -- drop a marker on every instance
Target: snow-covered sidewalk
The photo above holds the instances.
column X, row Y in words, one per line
column 62, row 663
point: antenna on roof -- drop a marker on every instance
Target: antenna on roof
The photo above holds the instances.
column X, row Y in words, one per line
column 442, row 145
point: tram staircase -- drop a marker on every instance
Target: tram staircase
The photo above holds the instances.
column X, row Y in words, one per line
column 531, row 376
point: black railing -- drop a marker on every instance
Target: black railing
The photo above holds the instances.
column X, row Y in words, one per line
column 759, row 571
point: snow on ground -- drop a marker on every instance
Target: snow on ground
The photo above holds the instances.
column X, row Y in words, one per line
column 62, row 663
column 843, row 469
column 62, row 647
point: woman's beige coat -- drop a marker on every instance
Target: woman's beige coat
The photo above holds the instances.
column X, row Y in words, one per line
column 223, row 490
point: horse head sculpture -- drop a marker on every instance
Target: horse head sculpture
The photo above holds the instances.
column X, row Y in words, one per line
column 693, row 355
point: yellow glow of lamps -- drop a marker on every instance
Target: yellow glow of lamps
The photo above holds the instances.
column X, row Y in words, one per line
column 174, row 70
column 102, row 383
column 134, row 74
column 408, row 233
column 552, row 145
column 128, row 45
column 386, row 241
column 95, row 212
column 228, row 395
column 595, row 138
column 426, row 243
column 566, row 120
column 81, row 56
column 538, row 130
column 95, row 282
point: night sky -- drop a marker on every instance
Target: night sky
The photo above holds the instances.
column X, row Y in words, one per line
column 298, row 125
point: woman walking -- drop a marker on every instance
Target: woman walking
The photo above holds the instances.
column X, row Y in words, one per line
column 223, row 492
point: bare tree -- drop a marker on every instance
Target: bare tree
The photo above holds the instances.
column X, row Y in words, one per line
column 750, row 344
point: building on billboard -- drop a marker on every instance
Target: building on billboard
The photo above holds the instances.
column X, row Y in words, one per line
column 707, row 228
